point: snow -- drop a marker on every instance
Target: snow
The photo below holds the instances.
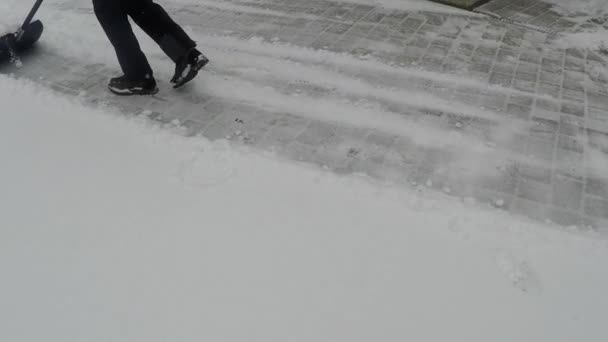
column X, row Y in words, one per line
column 408, row 5
column 588, row 7
column 592, row 13
column 113, row 229
column 596, row 40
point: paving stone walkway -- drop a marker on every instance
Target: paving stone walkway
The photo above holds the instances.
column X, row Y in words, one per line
column 540, row 15
column 459, row 102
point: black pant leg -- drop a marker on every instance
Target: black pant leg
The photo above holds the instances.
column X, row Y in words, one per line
column 157, row 23
column 115, row 22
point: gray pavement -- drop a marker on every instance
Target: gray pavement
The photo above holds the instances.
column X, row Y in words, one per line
column 529, row 118
column 543, row 16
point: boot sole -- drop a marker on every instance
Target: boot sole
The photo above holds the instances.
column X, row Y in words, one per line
column 131, row 92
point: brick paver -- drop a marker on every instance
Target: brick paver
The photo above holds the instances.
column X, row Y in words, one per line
column 530, row 118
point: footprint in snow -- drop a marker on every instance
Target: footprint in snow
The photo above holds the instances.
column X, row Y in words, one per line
column 519, row 272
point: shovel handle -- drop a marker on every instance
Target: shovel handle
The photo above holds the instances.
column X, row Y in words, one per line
column 32, row 13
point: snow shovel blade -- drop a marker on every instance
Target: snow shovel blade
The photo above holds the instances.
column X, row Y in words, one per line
column 14, row 44
column 28, row 35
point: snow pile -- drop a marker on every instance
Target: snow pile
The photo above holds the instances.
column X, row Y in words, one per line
column 586, row 7
column 596, row 40
column 593, row 15
column 7, row 27
column 115, row 230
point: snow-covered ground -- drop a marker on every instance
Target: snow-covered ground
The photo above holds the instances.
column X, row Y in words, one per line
column 408, row 5
column 593, row 13
column 588, row 7
column 115, row 230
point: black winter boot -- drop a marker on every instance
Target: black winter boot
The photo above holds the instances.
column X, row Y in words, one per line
column 125, row 86
column 188, row 67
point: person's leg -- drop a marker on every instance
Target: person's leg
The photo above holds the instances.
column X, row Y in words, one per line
column 157, row 23
column 114, row 20
column 171, row 38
